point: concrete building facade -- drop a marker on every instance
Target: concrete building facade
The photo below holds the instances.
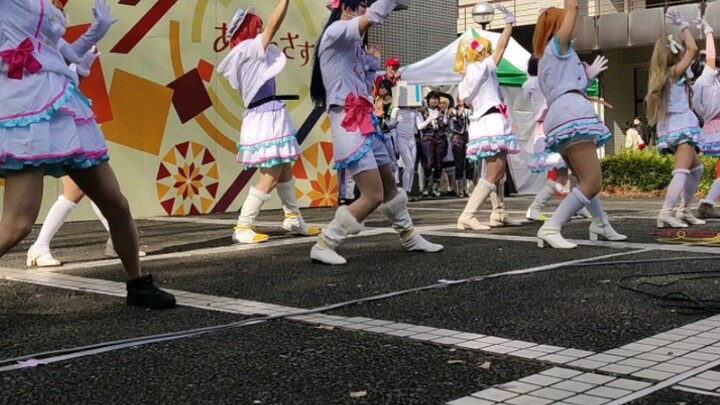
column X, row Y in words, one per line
column 417, row 32
column 623, row 31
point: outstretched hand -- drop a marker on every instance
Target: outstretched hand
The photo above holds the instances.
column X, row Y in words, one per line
column 507, row 14
column 676, row 19
column 704, row 26
column 598, row 66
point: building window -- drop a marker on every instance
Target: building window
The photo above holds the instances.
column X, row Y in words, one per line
column 641, row 83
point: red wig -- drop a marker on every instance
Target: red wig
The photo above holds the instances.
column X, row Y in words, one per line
column 248, row 30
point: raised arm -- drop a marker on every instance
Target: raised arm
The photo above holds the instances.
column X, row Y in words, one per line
column 691, row 47
column 564, row 34
column 709, row 43
column 276, row 20
column 505, row 36
column 102, row 20
column 376, row 14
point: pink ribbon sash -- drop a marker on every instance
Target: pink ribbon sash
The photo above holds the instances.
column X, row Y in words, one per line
column 357, row 115
column 21, row 59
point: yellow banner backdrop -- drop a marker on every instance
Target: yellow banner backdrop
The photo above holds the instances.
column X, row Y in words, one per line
column 172, row 122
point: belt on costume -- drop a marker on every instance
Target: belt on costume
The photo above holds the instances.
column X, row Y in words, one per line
column 266, row 100
column 491, row 110
column 591, row 99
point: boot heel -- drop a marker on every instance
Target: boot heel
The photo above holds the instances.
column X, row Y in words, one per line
column 660, row 224
column 31, row 262
column 593, row 236
column 541, row 243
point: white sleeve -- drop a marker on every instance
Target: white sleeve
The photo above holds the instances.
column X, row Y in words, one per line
column 470, row 83
column 341, row 34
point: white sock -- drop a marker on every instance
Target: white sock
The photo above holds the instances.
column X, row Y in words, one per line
column 569, row 206
column 676, row 187
column 57, row 215
column 286, row 192
column 595, row 208
column 714, row 193
column 692, row 182
column 100, row 216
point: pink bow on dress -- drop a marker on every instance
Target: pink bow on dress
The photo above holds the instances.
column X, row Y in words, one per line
column 503, row 110
column 21, row 58
column 357, row 115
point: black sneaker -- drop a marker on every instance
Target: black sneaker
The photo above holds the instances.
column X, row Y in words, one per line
column 142, row 292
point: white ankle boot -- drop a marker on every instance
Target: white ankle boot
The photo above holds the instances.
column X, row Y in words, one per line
column 294, row 222
column 534, row 213
column 333, row 236
column 684, row 214
column 666, row 220
column 396, row 212
column 110, row 250
column 36, row 258
column 584, row 213
column 467, row 219
column 550, row 233
column 601, row 228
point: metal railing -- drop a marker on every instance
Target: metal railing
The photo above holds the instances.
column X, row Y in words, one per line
column 526, row 11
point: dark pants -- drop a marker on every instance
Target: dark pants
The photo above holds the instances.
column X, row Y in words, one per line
column 458, row 150
column 434, row 150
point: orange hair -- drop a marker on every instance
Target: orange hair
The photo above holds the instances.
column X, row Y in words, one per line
column 548, row 24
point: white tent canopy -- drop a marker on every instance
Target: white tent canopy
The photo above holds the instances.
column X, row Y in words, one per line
column 437, row 70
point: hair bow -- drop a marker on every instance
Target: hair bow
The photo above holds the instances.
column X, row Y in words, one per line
column 675, row 46
column 333, row 4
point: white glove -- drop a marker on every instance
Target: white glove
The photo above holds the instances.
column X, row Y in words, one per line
column 380, row 10
column 676, row 19
column 434, row 114
column 704, row 26
column 598, row 66
column 400, row 118
column 83, row 69
column 507, row 14
column 102, row 21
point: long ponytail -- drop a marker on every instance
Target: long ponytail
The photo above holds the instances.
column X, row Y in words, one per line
column 318, row 93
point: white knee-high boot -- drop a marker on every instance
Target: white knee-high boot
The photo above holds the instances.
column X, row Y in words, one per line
column 244, row 231
column 396, row 212
column 333, row 236
column 468, row 219
column 293, row 219
column 499, row 218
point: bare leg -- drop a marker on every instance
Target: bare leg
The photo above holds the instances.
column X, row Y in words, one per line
column 23, row 197
column 101, row 185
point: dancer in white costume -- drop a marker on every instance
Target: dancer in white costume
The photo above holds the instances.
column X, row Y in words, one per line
column 706, row 99
column 48, row 128
column 490, row 134
column 339, row 85
column 678, row 129
column 542, row 160
column 268, row 137
column 39, row 254
column 572, row 128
